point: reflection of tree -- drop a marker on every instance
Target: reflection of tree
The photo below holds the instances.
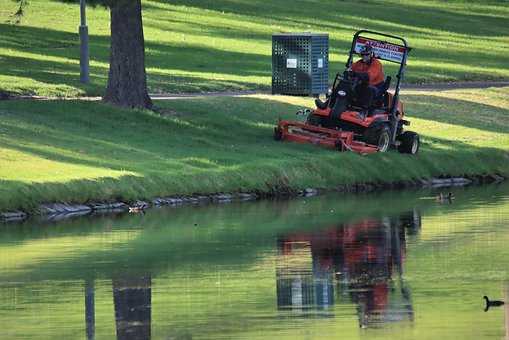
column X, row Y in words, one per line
column 363, row 260
column 132, row 299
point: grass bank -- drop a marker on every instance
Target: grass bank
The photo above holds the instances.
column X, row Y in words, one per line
column 200, row 45
column 76, row 151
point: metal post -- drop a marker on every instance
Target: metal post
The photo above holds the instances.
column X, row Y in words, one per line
column 84, row 57
column 506, row 308
column 90, row 309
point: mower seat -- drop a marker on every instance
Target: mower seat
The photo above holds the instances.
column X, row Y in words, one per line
column 380, row 100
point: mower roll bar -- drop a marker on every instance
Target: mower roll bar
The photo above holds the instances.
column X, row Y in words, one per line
column 358, row 33
column 399, row 76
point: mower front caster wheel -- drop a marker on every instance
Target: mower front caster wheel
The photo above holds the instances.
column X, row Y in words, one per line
column 409, row 142
column 340, row 146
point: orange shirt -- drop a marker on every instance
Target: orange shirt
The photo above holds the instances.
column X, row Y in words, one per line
column 374, row 70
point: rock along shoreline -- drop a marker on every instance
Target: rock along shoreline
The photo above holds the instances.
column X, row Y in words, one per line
column 61, row 211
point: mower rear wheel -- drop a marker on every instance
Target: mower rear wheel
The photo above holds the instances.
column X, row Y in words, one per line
column 410, row 142
column 379, row 136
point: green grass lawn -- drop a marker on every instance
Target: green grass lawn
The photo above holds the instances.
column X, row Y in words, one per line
column 199, row 45
column 76, row 151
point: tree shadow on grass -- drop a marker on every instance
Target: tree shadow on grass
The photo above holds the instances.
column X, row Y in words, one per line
column 198, row 59
column 218, row 69
column 59, row 75
column 392, row 19
column 352, row 13
column 340, row 46
column 195, row 59
column 103, row 137
column 466, row 113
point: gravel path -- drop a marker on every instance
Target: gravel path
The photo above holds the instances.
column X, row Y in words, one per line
column 408, row 87
column 172, row 96
column 453, row 86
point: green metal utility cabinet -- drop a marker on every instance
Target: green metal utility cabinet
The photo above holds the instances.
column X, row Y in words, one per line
column 300, row 63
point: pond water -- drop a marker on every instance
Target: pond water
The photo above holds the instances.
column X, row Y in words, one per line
column 397, row 265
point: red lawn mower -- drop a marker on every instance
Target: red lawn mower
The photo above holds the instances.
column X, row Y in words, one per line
column 354, row 116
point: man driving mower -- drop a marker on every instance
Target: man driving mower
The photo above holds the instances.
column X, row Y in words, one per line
column 371, row 69
column 369, row 73
column 359, row 114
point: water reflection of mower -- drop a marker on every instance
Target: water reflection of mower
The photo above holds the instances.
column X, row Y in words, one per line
column 354, row 116
column 358, row 262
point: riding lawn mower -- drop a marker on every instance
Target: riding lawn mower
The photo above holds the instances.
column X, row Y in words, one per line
column 355, row 117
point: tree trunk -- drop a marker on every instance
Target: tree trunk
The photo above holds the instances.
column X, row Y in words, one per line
column 127, row 80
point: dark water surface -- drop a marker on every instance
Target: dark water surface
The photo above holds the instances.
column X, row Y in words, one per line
column 381, row 266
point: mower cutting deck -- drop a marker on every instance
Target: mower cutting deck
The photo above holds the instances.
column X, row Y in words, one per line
column 335, row 139
column 353, row 117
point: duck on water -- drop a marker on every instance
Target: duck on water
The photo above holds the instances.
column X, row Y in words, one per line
column 492, row 303
column 445, row 198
